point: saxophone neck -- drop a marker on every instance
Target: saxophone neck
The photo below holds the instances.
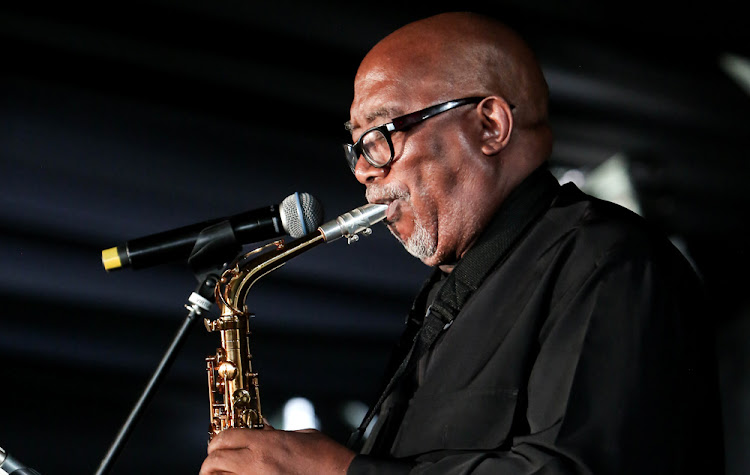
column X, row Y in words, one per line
column 236, row 281
column 241, row 275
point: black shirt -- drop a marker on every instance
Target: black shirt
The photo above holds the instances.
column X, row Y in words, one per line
column 584, row 351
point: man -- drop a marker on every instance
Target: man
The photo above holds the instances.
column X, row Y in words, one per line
column 559, row 333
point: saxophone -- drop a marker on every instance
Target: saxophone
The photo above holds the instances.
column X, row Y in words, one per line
column 233, row 392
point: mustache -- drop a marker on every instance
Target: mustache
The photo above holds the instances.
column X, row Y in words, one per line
column 387, row 192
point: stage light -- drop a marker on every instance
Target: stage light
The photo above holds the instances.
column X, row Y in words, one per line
column 738, row 68
column 299, row 413
column 611, row 181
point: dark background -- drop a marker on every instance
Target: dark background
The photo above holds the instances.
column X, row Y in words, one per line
column 121, row 120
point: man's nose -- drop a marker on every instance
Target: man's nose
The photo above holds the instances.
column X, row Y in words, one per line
column 366, row 173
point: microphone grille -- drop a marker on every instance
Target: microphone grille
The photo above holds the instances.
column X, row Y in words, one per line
column 300, row 214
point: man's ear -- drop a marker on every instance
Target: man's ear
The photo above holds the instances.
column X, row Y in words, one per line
column 497, row 124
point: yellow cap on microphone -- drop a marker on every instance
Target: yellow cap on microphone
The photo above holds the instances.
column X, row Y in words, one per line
column 111, row 259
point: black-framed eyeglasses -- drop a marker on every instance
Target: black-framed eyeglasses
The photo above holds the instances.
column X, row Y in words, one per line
column 375, row 144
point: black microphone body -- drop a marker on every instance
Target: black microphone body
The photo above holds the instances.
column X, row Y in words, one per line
column 176, row 244
column 297, row 215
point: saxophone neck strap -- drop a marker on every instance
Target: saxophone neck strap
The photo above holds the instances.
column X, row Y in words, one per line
column 524, row 206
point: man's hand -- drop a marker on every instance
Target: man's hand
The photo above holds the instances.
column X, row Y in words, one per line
column 245, row 451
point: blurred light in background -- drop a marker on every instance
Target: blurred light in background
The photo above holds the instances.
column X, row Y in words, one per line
column 738, row 68
column 354, row 412
column 574, row 176
column 609, row 181
column 299, row 413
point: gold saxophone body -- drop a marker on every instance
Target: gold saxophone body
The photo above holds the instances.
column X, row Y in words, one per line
column 233, row 389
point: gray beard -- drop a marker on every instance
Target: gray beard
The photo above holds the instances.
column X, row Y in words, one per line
column 420, row 244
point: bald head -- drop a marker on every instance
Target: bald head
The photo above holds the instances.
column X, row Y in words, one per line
column 448, row 174
column 463, row 52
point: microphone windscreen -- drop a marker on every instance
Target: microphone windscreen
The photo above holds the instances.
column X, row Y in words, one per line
column 301, row 213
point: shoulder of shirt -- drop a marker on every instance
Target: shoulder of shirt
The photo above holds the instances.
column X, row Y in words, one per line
column 604, row 228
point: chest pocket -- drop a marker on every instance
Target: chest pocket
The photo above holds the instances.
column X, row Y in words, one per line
column 472, row 418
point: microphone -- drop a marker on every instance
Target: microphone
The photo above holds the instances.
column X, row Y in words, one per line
column 11, row 466
column 297, row 215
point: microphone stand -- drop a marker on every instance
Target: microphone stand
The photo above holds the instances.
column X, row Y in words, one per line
column 215, row 244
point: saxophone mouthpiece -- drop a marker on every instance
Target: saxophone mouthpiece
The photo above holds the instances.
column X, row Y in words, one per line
column 356, row 221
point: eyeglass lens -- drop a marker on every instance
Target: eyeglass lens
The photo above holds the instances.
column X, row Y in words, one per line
column 376, row 147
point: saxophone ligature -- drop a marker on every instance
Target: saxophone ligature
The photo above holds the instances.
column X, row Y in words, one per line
column 234, row 396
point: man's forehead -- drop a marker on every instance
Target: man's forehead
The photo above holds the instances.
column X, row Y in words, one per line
column 372, row 72
column 386, row 111
column 385, row 88
column 376, row 97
